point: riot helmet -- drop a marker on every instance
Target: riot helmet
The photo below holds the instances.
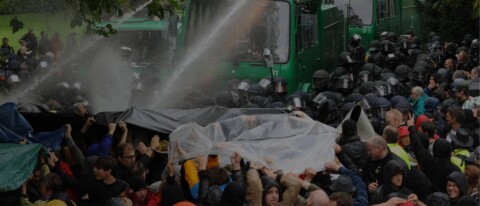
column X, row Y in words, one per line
column 354, row 97
column 404, row 107
column 243, row 86
column 474, row 88
column 367, row 87
column 379, row 60
column 319, row 101
column 255, row 90
column 355, row 39
column 280, row 85
column 261, row 101
column 265, row 83
column 402, row 73
column 364, row 76
column 419, row 73
column 392, row 61
column 320, row 79
column 451, row 48
column 344, row 82
column 467, row 40
column 474, row 48
column 404, row 44
column 346, row 108
column 233, row 84
column 369, row 67
column 386, row 46
column 345, row 58
column 374, row 46
column 383, row 89
column 337, row 72
column 380, row 107
column 432, row 105
column 414, row 42
column 384, row 35
column 397, row 99
column 370, row 97
column 431, row 35
column 392, row 37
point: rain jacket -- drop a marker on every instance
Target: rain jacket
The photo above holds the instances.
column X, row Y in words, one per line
column 436, row 167
column 418, row 105
column 355, row 149
column 381, row 194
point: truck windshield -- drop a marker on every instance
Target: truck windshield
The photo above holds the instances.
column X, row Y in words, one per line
column 264, row 25
column 360, row 12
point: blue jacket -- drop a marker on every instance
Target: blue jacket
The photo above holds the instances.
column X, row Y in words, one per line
column 418, row 105
column 361, row 197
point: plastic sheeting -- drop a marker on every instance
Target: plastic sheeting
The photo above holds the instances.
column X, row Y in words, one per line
column 276, row 141
column 17, row 162
column 364, row 127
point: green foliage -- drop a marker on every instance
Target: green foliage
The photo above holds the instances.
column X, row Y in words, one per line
column 451, row 19
column 88, row 12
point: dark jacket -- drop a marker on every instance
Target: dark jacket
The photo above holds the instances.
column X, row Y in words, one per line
column 436, row 167
column 361, row 194
column 355, row 149
column 374, row 170
column 381, row 194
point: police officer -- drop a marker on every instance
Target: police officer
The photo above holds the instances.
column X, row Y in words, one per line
column 356, row 51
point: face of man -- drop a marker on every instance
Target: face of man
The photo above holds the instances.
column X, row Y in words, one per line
column 128, row 157
column 449, row 64
column 5, row 42
column 374, row 152
column 452, row 190
column 405, row 140
column 100, row 174
column 450, row 119
column 271, row 198
column 397, row 179
column 141, row 194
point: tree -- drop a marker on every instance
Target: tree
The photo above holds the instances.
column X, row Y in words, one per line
column 89, row 12
column 450, row 19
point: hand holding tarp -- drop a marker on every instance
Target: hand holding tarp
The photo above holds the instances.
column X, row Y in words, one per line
column 236, row 159
column 332, row 166
column 202, row 162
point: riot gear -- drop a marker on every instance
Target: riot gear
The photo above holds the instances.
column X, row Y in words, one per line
column 345, row 59
column 474, row 88
column 354, row 97
column 432, row 105
column 392, row 61
column 386, row 47
column 367, row 87
column 384, row 35
column 370, row 97
column 404, row 107
column 344, row 83
column 374, row 46
column 255, row 90
column 346, row 108
column 392, row 37
column 419, row 73
column 402, row 73
column 280, row 85
column 380, row 107
column 383, row 89
column 266, row 83
column 321, row 80
column 364, row 76
column 355, row 39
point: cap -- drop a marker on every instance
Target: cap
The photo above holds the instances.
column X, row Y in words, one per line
column 403, row 131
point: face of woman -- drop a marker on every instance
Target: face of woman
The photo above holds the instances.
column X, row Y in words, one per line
column 452, row 190
column 271, row 197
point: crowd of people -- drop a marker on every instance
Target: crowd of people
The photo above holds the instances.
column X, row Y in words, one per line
column 424, row 106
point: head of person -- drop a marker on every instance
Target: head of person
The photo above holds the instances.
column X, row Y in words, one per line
column 271, row 194
column 455, row 115
column 234, row 194
column 450, row 64
column 317, row 198
column 139, row 188
column 456, row 185
column 394, row 174
column 390, row 133
column 23, row 50
column 403, row 136
column 340, row 199
column 438, row 198
column 417, row 92
column 428, row 128
column 394, row 117
column 474, row 73
column 349, row 128
column 104, row 167
column 125, row 154
column 461, row 92
column 5, row 41
column 377, row 148
column 462, row 56
column 49, row 185
column 472, row 173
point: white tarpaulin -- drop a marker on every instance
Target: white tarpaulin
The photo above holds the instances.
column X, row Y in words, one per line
column 277, row 141
column 364, row 128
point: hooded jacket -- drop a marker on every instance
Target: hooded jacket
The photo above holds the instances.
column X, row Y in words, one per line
column 462, row 184
column 418, row 105
column 391, row 168
column 436, row 167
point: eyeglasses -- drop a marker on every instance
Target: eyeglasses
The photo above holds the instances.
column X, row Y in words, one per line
column 129, row 157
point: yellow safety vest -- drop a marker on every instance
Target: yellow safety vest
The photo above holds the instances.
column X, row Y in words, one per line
column 400, row 152
column 460, row 163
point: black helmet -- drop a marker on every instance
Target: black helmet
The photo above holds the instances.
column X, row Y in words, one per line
column 391, row 79
column 436, row 39
column 262, row 102
column 280, row 85
column 266, row 83
column 337, row 72
column 392, row 36
column 344, row 82
column 227, row 99
column 404, row 106
column 370, row 97
column 319, row 101
column 404, row 44
column 414, row 42
column 380, row 107
column 296, row 101
column 384, row 35
column 397, row 98
column 345, row 58
column 364, row 76
column 467, row 40
column 320, row 79
column 355, row 39
column 431, row 105
column 255, row 90
column 386, row 46
column 367, row 87
column 392, row 61
column 346, row 108
column 379, row 60
column 233, row 84
column 383, row 89
column 402, row 73
column 474, row 87
column 353, row 97
column 452, row 48
column 374, row 46
column 243, row 85
column 369, row 67
column 419, row 73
